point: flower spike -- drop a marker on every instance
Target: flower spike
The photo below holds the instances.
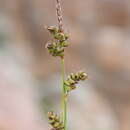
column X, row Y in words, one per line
column 56, row 47
column 73, row 79
column 55, row 121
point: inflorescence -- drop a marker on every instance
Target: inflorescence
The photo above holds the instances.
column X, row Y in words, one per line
column 56, row 48
column 60, row 42
column 73, row 80
column 55, row 121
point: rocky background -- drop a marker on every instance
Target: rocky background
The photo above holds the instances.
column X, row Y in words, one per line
column 30, row 77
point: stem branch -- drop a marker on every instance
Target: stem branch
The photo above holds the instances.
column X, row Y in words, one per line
column 64, row 95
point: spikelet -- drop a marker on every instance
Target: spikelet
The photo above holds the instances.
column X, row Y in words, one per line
column 60, row 42
column 73, row 79
column 55, row 121
column 78, row 76
column 53, row 30
column 55, row 49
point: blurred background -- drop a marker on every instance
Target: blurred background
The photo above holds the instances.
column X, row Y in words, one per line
column 30, row 77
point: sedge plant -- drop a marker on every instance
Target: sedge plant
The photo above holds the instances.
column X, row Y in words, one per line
column 56, row 48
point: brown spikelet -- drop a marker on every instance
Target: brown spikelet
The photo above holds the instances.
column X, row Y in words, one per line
column 73, row 79
column 55, row 121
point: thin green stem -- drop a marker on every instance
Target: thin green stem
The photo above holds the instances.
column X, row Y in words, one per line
column 64, row 100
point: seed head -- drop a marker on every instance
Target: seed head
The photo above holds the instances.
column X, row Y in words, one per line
column 55, row 121
column 60, row 42
column 73, row 79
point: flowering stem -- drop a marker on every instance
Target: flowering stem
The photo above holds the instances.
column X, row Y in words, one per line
column 64, row 100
